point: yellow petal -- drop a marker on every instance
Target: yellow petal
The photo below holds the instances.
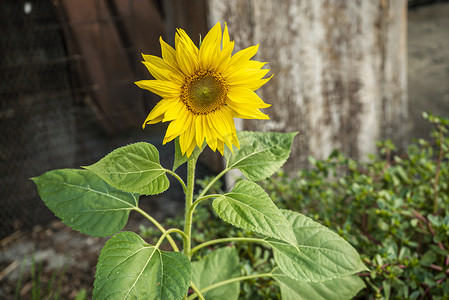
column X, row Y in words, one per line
column 254, row 64
column 246, row 75
column 235, row 141
column 199, row 130
column 165, row 89
column 187, row 61
column 247, row 113
column 159, row 110
column 210, row 48
column 174, row 74
column 187, row 138
column 223, row 127
column 240, row 58
column 227, row 113
column 168, row 54
column 177, row 127
column 226, row 39
column 252, row 83
column 246, row 97
column 157, row 61
column 225, row 57
column 220, row 147
column 153, row 121
column 187, row 41
column 209, row 133
column 173, row 110
column 190, row 133
column 190, row 149
column 158, row 73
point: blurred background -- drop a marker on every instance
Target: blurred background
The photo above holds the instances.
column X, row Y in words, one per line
column 346, row 74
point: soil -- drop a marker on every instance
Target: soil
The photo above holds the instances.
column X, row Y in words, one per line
column 57, row 250
column 67, row 260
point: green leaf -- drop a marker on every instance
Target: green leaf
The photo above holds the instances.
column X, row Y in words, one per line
column 320, row 254
column 220, row 265
column 129, row 268
column 134, row 168
column 260, row 154
column 337, row 289
column 85, row 202
column 248, row 206
column 182, row 159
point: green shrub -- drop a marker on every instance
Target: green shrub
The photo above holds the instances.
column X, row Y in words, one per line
column 393, row 210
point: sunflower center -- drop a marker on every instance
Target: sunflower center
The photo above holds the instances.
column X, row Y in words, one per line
column 204, row 92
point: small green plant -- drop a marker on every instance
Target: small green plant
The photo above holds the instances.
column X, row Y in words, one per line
column 203, row 90
column 82, row 295
column 41, row 289
column 19, row 280
column 393, row 209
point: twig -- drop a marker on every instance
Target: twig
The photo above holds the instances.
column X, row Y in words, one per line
column 429, row 226
column 437, row 172
column 11, row 267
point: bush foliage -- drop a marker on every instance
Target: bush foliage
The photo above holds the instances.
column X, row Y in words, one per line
column 392, row 209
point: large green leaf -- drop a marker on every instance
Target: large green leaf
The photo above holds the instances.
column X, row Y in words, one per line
column 85, row 202
column 220, row 265
column 260, row 154
column 248, row 206
column 129, row 268
column 134, row 168
column 337, row 289
column 320, row 254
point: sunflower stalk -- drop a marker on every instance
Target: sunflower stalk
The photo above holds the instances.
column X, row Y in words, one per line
column 203, row 89
column 191, row 164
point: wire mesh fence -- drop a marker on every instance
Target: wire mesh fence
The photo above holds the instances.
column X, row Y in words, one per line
column 66, row 92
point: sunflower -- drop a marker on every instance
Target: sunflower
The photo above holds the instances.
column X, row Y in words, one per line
column 203, row 89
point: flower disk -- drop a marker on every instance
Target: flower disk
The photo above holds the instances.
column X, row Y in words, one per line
column 204, row 92
column 204, row 89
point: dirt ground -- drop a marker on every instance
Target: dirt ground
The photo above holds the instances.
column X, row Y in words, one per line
column 58, row 250
column 67, row 260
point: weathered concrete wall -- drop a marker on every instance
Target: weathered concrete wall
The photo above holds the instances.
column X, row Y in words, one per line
column 340, row 70
column 428, row 65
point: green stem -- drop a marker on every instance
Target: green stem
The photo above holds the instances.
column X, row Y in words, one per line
column 177, row 177
column 224, row 282
column 194, row 205
column 197, row 291
column 212, row 182
column 226, row 240
column 189, row 201
column 166, row 234
column 159, row 226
